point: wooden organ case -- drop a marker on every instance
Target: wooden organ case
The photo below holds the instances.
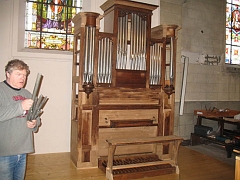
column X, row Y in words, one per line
column 122, row 84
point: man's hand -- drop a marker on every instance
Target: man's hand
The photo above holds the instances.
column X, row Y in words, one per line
column 31, row 124
column 27, row 104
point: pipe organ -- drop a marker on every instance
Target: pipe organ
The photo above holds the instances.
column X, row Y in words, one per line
column 122, row 81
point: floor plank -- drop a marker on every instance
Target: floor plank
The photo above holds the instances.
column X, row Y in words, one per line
column 192, row 164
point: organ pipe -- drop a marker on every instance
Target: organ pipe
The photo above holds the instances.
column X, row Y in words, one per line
column 89, row 55
column 132, row 43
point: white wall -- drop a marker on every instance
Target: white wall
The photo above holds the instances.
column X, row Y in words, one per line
column 94, row 6
column 202, row 31
column 54, row 134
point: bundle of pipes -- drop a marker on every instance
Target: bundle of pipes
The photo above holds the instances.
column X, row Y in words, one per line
column 38, row 103
column 155, row 64
column 132, row 56
column 89, row 54
column 105, row 60
column 138, row 42
column 122, row 47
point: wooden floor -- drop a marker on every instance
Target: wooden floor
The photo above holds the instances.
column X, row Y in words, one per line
column 192, row 165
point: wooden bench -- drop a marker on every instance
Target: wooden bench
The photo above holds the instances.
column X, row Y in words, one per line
column 173, row 141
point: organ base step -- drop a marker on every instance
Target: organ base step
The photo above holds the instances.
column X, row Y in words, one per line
column 137, row 171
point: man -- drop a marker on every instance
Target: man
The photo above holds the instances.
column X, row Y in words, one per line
column 16, row 133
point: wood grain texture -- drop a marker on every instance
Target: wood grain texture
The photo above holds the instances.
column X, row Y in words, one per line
column 192, row 164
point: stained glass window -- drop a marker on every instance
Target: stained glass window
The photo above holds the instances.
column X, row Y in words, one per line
column 232, row 54
column 48, row 24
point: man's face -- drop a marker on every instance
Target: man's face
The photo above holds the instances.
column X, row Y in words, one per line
column 17, row 78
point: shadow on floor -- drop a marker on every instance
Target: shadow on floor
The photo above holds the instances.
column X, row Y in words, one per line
column 215, row 151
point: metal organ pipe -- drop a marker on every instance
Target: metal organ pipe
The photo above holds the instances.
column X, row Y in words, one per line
column 109, row 75
column 125, row 39
column 131, row 55
column 135, row 42
column 138, row 43
column 132, row 41
column 171, row 76
column 135, row 48
column 143, row 28
column 85, row 75
column 119, row 43
column 99, row 77
column 137, row 60
column 105, row 61
column 144, row 44
column 151, row 65
column 89, row 54
column 122, row 42
column 155, row 64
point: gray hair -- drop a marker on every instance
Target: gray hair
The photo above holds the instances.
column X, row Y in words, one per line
column 16, row 64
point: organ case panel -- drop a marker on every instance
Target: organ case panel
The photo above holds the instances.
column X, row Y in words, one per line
column 122, row 80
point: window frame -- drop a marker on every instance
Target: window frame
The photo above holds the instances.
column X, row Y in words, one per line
column 231, row 39
column 17, row 38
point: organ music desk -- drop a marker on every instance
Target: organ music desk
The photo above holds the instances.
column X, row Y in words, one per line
column 230, row 139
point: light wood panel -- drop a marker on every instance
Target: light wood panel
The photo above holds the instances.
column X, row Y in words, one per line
column 121, row 79
column 237, row 167
column 192, row 165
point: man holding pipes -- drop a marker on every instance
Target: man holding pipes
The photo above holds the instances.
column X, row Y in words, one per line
column 16, row 132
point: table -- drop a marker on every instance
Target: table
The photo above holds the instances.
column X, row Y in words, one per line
column 221, row 117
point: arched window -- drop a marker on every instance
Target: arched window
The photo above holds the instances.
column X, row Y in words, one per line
column 232, row 54
column 48, row 24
